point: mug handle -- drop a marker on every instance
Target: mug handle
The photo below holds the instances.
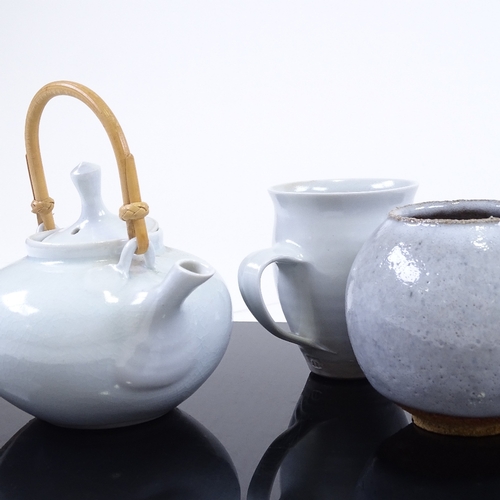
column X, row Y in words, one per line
column 249, row 281
column 261, row 484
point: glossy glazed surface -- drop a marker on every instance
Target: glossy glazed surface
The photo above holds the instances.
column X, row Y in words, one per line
column 319, row 227
column 95, row 336
column 422, row 308
column 83, row 345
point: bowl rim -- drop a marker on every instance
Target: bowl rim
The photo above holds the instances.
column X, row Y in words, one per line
column 428, row 212
column 359, row 185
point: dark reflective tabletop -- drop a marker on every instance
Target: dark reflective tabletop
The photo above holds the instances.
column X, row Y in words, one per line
column 261, row 427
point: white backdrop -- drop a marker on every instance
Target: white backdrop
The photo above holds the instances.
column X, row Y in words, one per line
column 221, row 99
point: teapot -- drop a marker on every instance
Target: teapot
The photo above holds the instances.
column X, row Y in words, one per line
column 102, row 325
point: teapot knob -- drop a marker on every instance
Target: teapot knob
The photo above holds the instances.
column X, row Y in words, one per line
column 87, row 179
column 96, row 223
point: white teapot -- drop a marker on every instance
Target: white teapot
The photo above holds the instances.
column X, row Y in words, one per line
column 99, row 329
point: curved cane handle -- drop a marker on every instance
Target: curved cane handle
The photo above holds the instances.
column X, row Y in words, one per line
column 133, row 210
column 249, row 281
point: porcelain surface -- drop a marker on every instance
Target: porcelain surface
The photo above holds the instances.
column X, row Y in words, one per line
column 96, row 336
column 423, row 308
column 319, row 227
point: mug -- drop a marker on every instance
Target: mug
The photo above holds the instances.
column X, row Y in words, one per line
column 320, row 226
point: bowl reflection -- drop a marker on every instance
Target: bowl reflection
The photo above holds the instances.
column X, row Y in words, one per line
column 417, row 464
column 173, row 457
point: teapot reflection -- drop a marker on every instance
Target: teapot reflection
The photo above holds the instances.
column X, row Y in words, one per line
column 173, row 457
column 335, row 429
column 417, row 464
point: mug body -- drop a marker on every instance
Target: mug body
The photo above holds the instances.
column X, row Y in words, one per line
column 326, row 222
column 423, row 311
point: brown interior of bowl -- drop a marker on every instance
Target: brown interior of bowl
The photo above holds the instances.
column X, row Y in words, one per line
column 459, row 215
column 460, row 211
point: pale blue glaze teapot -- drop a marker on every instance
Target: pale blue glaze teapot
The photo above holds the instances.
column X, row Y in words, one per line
column 100, row 328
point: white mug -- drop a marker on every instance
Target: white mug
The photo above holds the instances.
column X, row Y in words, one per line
column 320, row 226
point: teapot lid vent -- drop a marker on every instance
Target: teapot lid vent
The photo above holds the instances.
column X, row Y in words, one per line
column 96, row 223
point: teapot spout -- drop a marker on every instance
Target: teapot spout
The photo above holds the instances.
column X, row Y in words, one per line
column 163, row 351
column 182, row 279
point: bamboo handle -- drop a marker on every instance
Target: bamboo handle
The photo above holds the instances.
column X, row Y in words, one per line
column 133, row 210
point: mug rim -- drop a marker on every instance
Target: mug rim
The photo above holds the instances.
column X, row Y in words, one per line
column 323, row 187
column 429, row 212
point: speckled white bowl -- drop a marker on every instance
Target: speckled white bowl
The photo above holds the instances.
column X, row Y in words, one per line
column 423, row 309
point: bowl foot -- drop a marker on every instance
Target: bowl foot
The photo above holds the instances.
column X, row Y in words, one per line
column 455, row 426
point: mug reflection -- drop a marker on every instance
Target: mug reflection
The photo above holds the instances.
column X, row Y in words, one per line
column 336, row 427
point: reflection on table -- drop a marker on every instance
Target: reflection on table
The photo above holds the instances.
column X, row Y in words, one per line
column 173, row 457
column 416, row 464
column 346, row 441
column 335, row 429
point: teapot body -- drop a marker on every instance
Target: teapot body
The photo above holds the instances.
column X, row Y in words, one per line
column 81, row 345
column 101, row 324
column 423, row 308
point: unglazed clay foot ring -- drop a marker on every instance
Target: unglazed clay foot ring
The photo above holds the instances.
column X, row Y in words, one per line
column 455, row 426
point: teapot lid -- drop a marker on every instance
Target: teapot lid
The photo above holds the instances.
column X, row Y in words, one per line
column 96, row 223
